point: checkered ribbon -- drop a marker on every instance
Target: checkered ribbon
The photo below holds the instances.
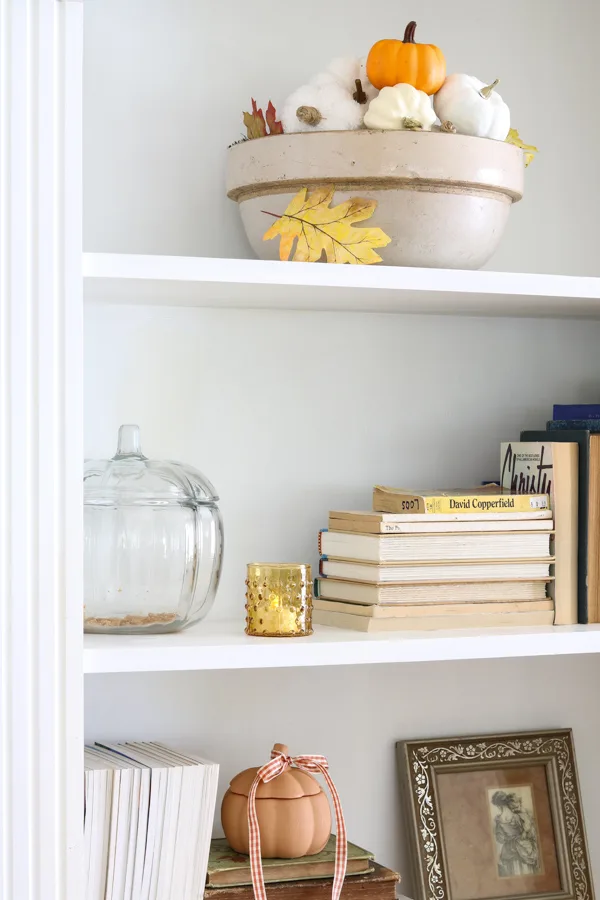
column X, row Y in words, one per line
column 278, row 764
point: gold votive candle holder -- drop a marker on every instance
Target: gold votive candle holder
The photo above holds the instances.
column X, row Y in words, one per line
column 278, row 600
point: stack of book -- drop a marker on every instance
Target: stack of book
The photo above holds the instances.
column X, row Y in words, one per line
column 457, row 559
column 147, row 823
column 308, row 878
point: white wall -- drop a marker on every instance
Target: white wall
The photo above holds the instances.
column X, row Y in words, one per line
column 354, row 716
column 292, row 414
column 166, row 82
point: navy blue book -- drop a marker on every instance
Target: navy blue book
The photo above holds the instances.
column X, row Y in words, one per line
column 571, row 411
column 588, row 549
column 592, row 425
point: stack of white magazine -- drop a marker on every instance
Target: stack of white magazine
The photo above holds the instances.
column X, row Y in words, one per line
column 148, row 822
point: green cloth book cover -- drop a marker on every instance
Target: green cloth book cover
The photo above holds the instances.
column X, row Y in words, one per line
column 226, row 867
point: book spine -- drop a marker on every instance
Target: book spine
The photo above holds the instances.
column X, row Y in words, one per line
column 573, row 425
column 320, row 541
column 575, row 411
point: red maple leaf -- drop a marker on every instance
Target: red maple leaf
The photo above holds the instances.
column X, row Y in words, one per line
column 275, row 127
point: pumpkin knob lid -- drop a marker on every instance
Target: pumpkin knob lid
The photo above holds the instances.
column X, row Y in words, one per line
column 290, row 785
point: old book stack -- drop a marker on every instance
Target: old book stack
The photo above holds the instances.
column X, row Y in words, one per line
column 147, row 823
column 306, row 878
column 435, row 560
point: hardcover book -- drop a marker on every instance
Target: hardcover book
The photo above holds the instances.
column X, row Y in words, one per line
column 532, row 467
column 588, row 554
column 380, row 884
column 479, row 500
column 573, row 411
column 228, row 868
column 573, row 425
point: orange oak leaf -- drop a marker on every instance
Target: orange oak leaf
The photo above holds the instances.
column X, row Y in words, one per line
column 316, row 228
column 255, row 122
column 275, row 127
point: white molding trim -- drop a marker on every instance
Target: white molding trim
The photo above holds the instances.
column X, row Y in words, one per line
column 41, row 682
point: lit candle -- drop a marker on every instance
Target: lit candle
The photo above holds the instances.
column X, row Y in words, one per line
column 278, row 600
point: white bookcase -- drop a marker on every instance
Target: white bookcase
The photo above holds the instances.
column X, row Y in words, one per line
column 293, row 387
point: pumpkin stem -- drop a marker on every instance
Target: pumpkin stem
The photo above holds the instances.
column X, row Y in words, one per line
column 281, row 748
column 411, row 124
column 486, row 92
column 359, row 95
column 309, row 114
column 409, row 33
column 448, row 127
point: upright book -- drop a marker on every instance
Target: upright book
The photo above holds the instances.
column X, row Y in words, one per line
column 588, row 554
column 482, row 500
column 551, row 466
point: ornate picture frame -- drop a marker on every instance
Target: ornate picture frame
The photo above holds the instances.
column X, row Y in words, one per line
column 496, row 817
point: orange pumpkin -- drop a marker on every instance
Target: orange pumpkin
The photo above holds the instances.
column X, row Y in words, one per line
column 293, row 813
column 392, row 62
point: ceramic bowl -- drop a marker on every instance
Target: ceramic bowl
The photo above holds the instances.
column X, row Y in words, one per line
column 443, row 199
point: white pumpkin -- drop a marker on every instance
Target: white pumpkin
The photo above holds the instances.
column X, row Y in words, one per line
column 398, row 108
column 327, row 102
column 346, row 70
column 473, row 107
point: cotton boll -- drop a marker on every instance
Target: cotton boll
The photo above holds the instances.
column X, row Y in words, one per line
column 338, row 109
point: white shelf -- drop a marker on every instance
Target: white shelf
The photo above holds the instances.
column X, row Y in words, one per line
column 223, row 645
column 258, row 284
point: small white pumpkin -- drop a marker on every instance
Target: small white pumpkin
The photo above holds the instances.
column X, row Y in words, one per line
column 473, row 107
column 398, row 108
column 327, row 102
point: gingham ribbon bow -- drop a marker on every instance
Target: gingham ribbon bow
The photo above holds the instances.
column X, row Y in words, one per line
column 278, row 764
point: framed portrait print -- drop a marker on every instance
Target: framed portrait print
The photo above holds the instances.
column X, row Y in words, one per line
column 496, row 818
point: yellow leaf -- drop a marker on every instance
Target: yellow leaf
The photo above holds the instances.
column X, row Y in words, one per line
column 317, row 228
column 529, row 149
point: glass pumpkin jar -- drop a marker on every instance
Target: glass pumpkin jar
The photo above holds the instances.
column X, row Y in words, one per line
column 153, row 542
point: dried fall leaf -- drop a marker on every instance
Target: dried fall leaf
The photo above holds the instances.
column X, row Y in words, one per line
column 529, row 149
column 318, row 228
column 255, row 122
column 275, row 127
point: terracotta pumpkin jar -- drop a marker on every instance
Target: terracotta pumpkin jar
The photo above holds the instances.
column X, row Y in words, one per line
column 293, row 813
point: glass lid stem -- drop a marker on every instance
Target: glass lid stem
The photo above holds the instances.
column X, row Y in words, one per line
column 129, row 443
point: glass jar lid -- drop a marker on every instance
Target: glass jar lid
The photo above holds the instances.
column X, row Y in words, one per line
column 130, row 477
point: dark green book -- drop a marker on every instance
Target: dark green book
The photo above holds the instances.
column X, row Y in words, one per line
column 588, row 549
column 226, row 868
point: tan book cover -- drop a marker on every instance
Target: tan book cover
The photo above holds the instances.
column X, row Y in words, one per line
column 431, row 623
column 450, row 592
column 388, row 523
column 480, row 500
column 533, row 466
column 465, row 608
column 593, row 537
